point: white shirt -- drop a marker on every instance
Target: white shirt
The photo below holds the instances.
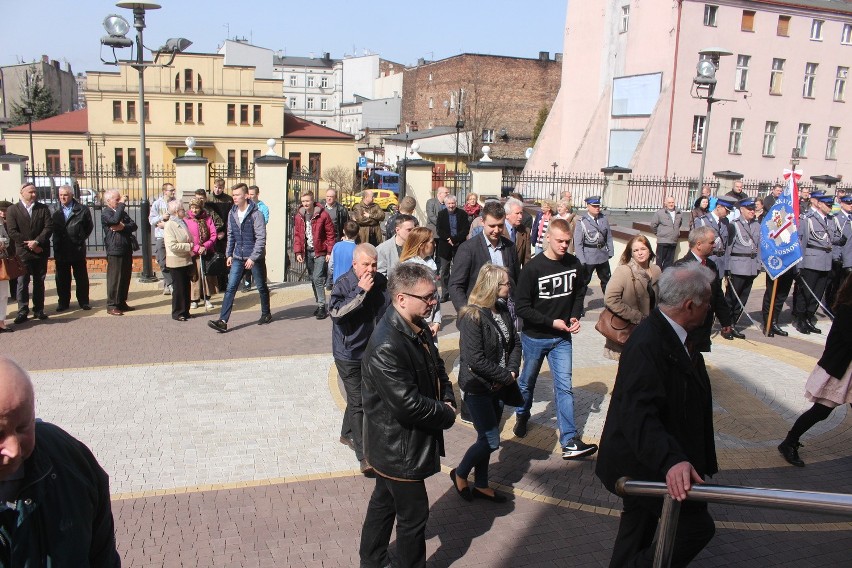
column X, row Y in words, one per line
column 241, row 214
column 678, row 329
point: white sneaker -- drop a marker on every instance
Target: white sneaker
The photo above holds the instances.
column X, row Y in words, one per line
column 194, row 305
column 208, row 304
column 167, row 290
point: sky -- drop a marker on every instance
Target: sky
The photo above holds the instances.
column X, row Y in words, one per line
column 401, row 31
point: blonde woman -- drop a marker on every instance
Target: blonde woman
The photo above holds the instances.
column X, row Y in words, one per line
column 472, row 206
column 539, row 228
column 419, row 248
column 178, row 242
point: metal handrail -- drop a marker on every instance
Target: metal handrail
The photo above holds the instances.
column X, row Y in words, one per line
column 790, row 499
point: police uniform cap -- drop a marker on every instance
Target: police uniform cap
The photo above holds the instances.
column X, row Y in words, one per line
column 593, row 200
column 725, row 202
column 826, row 198
column 747, row 202
column 846, row 199
column 5, row 205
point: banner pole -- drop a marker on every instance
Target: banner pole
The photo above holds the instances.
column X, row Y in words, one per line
column 771, row 308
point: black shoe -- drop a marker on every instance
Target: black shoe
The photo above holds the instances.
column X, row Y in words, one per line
column 219, row 325
column 86, row 307
column 21, row 317
column 800, row 326
column 60, row 309
column 321, row 313
column 576, row 448
column 264, row 319
column 496, row 498
column 728, row 336
column 790, row 451
column 126, row 308
column 39, row 315
column 246, row 287
column 6, row 330
column 811, row 327
column 737, row 334
column 520, row 429
column 775, row 330
column 316, row 310
column 445, row 298
column 463, row 493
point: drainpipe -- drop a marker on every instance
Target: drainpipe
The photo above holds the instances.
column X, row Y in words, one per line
column 674, row 88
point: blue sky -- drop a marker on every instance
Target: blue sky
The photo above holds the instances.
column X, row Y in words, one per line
column 401, row 31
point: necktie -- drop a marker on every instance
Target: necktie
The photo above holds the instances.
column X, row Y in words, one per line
column 703, row 262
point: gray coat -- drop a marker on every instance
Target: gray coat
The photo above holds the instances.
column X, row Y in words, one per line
column 742, row 254
column 666, row 229
column 843, row 223
column 593, row 240
column 817, row 235
column 719, row 244
column 433, row 207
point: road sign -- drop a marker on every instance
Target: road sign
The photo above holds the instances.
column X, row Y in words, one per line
column 362, row 163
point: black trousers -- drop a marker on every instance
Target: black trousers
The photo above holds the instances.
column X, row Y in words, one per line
column 742, row 286
column 634, row 544
column 63, row 281
column 36, row 270
column 407, row 502
column 804, row 303
column 785, row 282
column 603, row 272
column 838, row 276
column 180, row 292
column 665, row 254
column 353, row 416
column 119, row 269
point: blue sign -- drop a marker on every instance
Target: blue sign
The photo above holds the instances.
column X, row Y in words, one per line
column 780, row 249
column 362, row 163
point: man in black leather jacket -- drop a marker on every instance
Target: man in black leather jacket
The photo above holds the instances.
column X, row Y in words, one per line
column 408, row 400
column 72, row 225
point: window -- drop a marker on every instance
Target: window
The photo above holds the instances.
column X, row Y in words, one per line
column 177, row 82
column 131, row 111
column 244, row 114
column 323, row 104
column 244, row 162
column 187, row 80
column 232, row 114
column 810, row 76
column 132, row 169
column 710, row 15
column 315, row 159
column 310, row 103
column 783, row 26
column 831, row 146
column 310, row 81
column 198, row 82
column 119, row 162
column 147, row 161
column 816, row 30
column 777, row 76
column 52, row 159
column 146, row 112
column 187, row 113
column 625, row 19
column 846, row 34
column 488, row 135
column 256, row 115
column 75, row 162
column 431, row 102
column 769, row 139
column 295, row 162
column 324, row 82
column 292, row 102
column 747, row 24
column 741, row 81
column 802, row 139
column 200, row 116
column 698, row 132
column 452, row 101
column 292, row 80
column 735, row 137
column 177, row 113
column 323, row 123
column 232, row 163
column 116, row 111
column 840, row 84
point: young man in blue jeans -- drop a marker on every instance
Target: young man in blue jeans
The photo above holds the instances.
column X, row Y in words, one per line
column 246, row 244
column 549, row 299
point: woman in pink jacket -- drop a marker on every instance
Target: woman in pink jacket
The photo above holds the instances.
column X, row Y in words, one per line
column 203, row 233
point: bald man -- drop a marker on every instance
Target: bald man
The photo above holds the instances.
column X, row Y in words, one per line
column 54, row 497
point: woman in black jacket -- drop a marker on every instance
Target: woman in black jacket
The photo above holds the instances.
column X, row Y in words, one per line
column 490, row 359
column 830, row 383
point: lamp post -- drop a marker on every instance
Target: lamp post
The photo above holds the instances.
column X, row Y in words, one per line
column 705, row 87
column 28, row 112
column 459, row 126
column 117, row 28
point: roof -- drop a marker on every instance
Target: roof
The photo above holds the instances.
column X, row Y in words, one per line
column 293, row 61
column 418, row 134
column 295, row 127
column 838, row 6
column 76, row 122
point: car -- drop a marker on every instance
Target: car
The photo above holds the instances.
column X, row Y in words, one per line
column 384, row 198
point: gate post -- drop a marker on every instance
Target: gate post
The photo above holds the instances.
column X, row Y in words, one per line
column 190, row 174
column 617, row 187
column 11, row 176
column 270, row 175
column 486, row 179
column 418, row 182
column 726, row 181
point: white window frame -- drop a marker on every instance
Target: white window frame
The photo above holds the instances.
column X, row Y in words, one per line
column 625, row 19
column 323, row 82
column 309, row 104
column 710, row 15
column 831, row 144
column 323, row 103
column 810, row 79
column 776, row 77
column 840, row 84
column 293, row 80
column 310, row 82
column 802, row 139
column 770, row 130
column 741, row 80
column 431, row 102
column 323, row 123
column 735, row 137
column 292, row 102
column 846, row 34
column 816, row 29
column 488, row 135
column 699, row 122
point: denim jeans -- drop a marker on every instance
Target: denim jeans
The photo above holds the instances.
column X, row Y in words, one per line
column 234, row 277
column 408, row 503
column 316, row 270
column 558, row 353
column 485, row 410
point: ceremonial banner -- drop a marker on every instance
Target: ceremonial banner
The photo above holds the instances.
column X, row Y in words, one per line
column 780, row 249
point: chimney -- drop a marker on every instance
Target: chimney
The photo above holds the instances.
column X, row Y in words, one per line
column 55, row 64
column 557, row 57
column 421, row 61
column 326, row 56
column 543, row 55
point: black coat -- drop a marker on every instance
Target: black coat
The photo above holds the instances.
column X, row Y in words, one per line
column 402, row 392
column 661, row 411
column 471, row 256
column 117, row 243
column 444, row 231
column 69, row 237
column 837, row 355
column 21, row 227
column 482, row 348
column 718, row 307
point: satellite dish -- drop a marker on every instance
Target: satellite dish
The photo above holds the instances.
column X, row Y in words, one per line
column 528, row 153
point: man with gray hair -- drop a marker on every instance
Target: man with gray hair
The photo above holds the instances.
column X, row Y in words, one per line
column 515, row 230
column 666, row 224
column 72, row 225
column 119, row 242
column 158, row 217
column 358, row 300
column 452, row 227
column 659, row 426
column 55, row 507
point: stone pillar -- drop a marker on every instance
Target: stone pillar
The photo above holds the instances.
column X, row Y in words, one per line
column 191, row 173
column 726, row 181
column 12, row 168
column 418, row 184
column 486, row 179
column 270, row 175
column 824, row 182
column 617, row 186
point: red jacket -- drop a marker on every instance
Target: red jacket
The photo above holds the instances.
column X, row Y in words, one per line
column 321, row 227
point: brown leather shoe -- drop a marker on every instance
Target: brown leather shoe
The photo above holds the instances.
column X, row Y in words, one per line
column 115, row 312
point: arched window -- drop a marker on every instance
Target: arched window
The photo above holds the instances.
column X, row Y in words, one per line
column 198, row 83
column 177, row 82
column 187, row 80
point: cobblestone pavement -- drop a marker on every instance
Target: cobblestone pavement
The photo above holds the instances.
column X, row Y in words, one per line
column 223, row 449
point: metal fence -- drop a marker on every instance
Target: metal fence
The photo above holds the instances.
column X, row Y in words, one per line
column 231, row 174
column 647, row 193
column 536, row 186
column 296, row 185
column 94, row 182
column 459, row 185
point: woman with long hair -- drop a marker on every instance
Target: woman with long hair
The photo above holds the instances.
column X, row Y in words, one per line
column 419, row 247
column 830, row 383
column 489, row 361
column 632, row 290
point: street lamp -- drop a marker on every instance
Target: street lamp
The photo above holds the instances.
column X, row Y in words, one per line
column 705, row 87
column 459, row 126
column 28, row 112
column 117, row 28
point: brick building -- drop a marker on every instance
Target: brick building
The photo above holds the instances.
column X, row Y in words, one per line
column 498, row 97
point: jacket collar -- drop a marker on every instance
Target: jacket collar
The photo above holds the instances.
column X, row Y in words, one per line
column 251, row 207
column 398, row 322
column 36, row 468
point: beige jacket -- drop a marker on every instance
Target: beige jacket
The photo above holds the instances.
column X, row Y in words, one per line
column 627, row 294
column 178, row 243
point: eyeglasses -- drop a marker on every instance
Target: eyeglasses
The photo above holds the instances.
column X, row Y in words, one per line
column 428, row 299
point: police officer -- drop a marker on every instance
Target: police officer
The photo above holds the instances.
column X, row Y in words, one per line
column 817, row 234
column 741, row 258
column 841, row 264
column 593, row 242
column 718, row 221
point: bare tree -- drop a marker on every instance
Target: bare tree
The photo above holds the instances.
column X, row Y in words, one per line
column 342, row 179
column 482, row 107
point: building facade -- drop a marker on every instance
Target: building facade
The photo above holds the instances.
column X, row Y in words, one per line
column 15, row 78
column 628, row 97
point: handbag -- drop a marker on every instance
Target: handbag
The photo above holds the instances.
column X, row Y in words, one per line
column 134, row 242
column 11, row 267
column 215, row 265
column 510, row 394
column 614, row 327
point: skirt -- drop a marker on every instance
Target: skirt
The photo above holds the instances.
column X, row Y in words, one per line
column 827, row 390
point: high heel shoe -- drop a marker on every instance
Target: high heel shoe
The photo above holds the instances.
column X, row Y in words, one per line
column 464, row 493
column 496, row 498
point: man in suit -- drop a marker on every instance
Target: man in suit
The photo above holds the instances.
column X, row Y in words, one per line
column 666, row 224
column 489, row 246
column 452, row 227
column 701, row 243
column 72, row 225
column 388, row 252
column 30, row 225
column 742, row 256
column 717, row 219
column 516, row 231
column 659, row 426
